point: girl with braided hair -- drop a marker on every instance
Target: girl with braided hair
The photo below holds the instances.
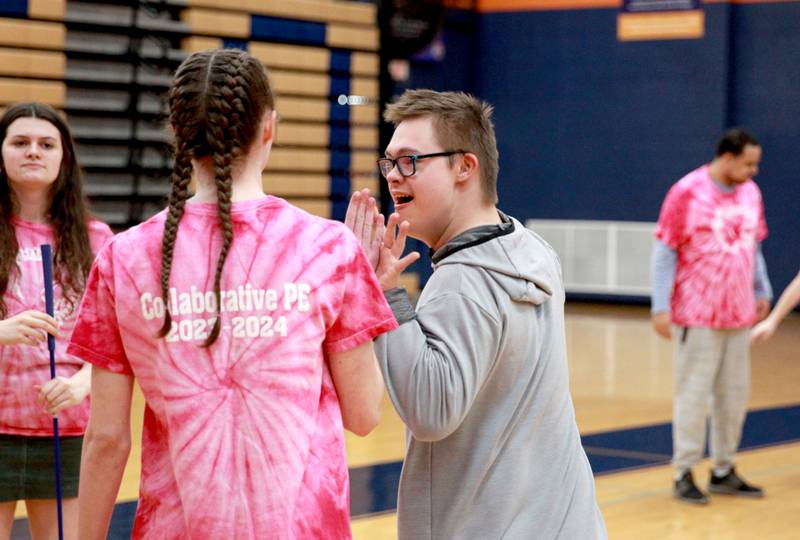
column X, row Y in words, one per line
column 248, row 325
column 41, row 202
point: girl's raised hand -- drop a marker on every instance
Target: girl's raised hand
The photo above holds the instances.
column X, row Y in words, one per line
column 366, row 223
column 27, row 328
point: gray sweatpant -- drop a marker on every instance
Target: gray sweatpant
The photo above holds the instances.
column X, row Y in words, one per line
column 711, row 369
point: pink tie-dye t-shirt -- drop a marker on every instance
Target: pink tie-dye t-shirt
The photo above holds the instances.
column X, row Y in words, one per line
column 24, row 367
column 243, row 439
column 715, row 235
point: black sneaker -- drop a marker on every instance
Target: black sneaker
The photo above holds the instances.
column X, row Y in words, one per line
column 733, row 484
column 686, row 490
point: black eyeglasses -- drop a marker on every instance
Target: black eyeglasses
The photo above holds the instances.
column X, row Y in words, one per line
column 407, row 165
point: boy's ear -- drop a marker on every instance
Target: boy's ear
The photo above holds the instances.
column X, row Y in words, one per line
column 468, row 166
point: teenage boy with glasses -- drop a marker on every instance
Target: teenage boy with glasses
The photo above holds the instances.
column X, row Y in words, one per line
column 478, row 371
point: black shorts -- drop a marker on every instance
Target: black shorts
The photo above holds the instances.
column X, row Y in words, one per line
column 27, row 470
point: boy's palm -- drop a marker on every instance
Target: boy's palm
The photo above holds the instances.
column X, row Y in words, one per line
column 392, row 263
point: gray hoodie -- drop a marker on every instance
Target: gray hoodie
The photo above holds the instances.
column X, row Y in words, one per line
column 478, row 374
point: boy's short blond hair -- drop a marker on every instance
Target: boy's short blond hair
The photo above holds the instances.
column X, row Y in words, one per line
column 460, row 122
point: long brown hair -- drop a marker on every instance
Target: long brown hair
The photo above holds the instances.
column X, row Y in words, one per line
column 216, row 103
column 68, row 213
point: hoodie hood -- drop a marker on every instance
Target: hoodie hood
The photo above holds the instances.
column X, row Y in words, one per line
column 519, row 260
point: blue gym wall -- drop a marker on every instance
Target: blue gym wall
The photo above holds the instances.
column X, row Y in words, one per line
column 590, row 127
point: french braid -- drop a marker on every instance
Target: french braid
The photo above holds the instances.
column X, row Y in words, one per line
column 216, row 104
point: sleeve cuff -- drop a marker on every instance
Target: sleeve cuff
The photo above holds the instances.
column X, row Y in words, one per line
column 99, row 360
column 401, row 306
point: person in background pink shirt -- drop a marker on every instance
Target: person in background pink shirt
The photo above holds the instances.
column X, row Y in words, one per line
column 710, row 285
column 41, row 202
column 247, row 323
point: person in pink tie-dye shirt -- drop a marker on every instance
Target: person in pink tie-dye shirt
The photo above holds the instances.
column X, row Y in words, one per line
column 41, row 202
column 248, row 325
column 709, row 287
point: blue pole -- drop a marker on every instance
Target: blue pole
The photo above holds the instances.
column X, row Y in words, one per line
column 47, row 267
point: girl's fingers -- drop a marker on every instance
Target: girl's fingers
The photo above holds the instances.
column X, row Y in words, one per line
column 46, row 387
column 58, row 393
column 41, row 321
column 359, row 223
column 31, row 336
column 55, row 408
column 352, row 209
column 42, row 325
column 42, row 316
column 367, row 232
column 359, row 216
column 52, row 390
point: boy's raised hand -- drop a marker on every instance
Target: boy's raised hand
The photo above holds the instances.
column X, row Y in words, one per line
column 391, row 263
column 367, row 224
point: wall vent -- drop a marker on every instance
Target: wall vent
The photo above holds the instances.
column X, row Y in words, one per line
column 601, row 257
